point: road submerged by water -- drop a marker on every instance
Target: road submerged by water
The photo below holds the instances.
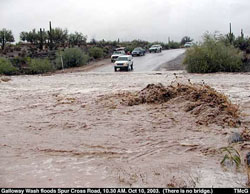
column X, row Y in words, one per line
column 64, row 130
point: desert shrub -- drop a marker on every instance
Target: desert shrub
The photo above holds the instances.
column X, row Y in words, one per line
column 174, row 45
column 72, row 57
column 38, row 66
column 96, row 52
column 242, row 43
column 6, row 67
column 20, row 62
column 213, row 56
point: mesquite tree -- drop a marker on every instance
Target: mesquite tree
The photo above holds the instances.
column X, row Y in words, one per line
column 77, row 39
column 186, row 39
column 6, row 36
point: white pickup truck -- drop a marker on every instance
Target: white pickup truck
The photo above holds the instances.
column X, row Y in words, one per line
column 124, row 62
column 116, row 54
column 155, row 48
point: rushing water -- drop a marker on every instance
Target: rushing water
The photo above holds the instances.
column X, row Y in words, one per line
column 57, row 132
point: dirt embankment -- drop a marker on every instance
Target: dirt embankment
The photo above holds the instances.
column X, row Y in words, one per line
column 173, row 65
column 85, row 68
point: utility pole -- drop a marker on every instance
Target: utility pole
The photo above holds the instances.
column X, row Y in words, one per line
column 62, row 61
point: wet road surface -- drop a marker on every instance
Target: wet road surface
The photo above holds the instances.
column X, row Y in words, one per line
column 149, row 62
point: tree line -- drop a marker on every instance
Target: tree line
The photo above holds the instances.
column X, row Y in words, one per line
column 54, row 38
column 58, row 37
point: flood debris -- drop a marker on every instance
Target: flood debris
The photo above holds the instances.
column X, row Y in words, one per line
column 202, row 101
column 235, row 137
column 245, row 135
column 5, row 79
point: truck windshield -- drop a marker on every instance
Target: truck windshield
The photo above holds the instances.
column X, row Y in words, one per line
column 122, row 59
column 117, row 52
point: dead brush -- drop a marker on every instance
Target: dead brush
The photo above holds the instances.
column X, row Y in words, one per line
column 202, row 101
column 5, row 79
column 245, row 134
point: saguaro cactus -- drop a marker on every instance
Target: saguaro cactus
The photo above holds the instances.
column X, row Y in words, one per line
column 50, row 33
column 230, row 36
column 41, row 39
column 242, row 34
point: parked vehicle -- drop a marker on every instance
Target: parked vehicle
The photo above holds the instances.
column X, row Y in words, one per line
column 188, row 44
column 116, row 54
column 155, row 48
column 138, row 51
column 124, row 62
column 120, row 49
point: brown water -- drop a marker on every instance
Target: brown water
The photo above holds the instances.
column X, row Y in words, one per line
column 62, row 131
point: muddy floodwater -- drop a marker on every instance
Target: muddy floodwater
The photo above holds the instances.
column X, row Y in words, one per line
column 70, row 130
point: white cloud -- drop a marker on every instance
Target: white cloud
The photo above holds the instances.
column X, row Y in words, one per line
column 128, row 19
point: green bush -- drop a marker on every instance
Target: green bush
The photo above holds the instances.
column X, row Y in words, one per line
column 96, row 52
column 20, row 62
column 213, row 56
column 174, row 45
column 72, row 57
column 6, row 67
column 38, row 66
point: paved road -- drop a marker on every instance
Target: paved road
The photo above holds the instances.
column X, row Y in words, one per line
column 149, row 62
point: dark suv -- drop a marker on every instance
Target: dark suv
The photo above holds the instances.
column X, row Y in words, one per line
column 138, row 51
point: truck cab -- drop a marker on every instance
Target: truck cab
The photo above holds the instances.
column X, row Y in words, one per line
column 116, row 54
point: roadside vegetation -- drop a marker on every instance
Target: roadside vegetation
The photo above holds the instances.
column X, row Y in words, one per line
column 71, row 57
column 96, row 52
column 39, row 66
column 6, row 67
column 40, row 51
column 219, row 53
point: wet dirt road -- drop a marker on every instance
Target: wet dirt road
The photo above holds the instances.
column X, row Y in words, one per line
column 65, row 130
column 149, row 62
